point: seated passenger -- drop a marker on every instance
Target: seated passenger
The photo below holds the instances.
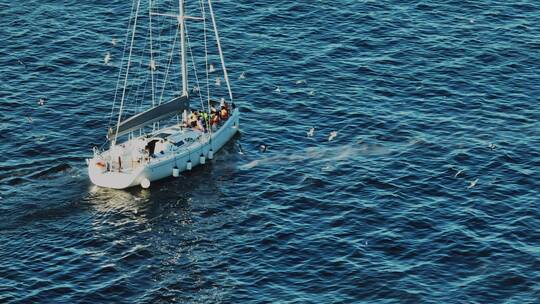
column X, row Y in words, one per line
column 214, row 119
column 224, row 113
column 193, row 117
column 200, row 125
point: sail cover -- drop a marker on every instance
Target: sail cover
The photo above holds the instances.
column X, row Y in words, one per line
column 157, row 113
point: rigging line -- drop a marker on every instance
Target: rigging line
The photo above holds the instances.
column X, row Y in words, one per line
column 203, row 11
column 160, row 48
column 138, row 78
column 121, row 65
column 138, row 100
column 140, row 105
column 209, row 125
column 164, row 53
column 219, row 49
column 168, row 67
column 127, row 71
column 194, row 67
column 183, row 65
column 152, row 62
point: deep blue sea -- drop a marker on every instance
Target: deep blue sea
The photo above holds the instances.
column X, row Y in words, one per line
column 429, row 192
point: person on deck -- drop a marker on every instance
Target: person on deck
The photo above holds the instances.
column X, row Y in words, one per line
column 193, row 118
column 224, row 113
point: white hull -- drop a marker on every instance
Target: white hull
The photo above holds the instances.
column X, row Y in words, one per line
column 162, row 166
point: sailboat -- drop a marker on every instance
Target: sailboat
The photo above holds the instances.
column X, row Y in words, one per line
column 163, row 136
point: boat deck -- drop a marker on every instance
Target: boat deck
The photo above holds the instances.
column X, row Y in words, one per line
column 141, row 150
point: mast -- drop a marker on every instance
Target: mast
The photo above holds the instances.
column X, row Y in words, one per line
column 181, row 20
column 219, row 49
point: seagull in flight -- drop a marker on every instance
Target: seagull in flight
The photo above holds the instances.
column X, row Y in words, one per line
column 311, row 132
column 333, row 135
column 472, row 183
column 107, row 58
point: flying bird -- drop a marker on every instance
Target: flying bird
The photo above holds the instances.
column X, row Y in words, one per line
column 333, row 135
column 472, row 183
column 107, row 58
column 311, row 132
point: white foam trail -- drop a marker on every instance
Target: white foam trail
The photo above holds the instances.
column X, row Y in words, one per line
column 327, row 155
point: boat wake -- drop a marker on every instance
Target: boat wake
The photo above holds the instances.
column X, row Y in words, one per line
column 320, row 155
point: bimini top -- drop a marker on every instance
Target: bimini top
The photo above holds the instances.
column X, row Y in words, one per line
column 157, row 113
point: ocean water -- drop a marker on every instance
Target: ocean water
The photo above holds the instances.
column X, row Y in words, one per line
column 429, row 192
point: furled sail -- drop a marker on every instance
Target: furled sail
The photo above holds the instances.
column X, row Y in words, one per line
column 157, row 113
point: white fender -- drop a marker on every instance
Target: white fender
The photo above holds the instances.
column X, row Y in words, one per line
column 202, row 159
column 145, row 183
column 175, row 172
column 211, row 154
column 188, row 165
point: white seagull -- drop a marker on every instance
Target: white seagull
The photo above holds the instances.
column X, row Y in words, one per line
column 311, row 132
column 333, row 135
column 472, row 184
column 107, row 58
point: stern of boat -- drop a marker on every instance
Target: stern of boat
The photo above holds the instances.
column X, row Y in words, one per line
column 100, row 175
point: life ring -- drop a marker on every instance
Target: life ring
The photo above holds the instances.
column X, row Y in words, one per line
column 100, row 164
